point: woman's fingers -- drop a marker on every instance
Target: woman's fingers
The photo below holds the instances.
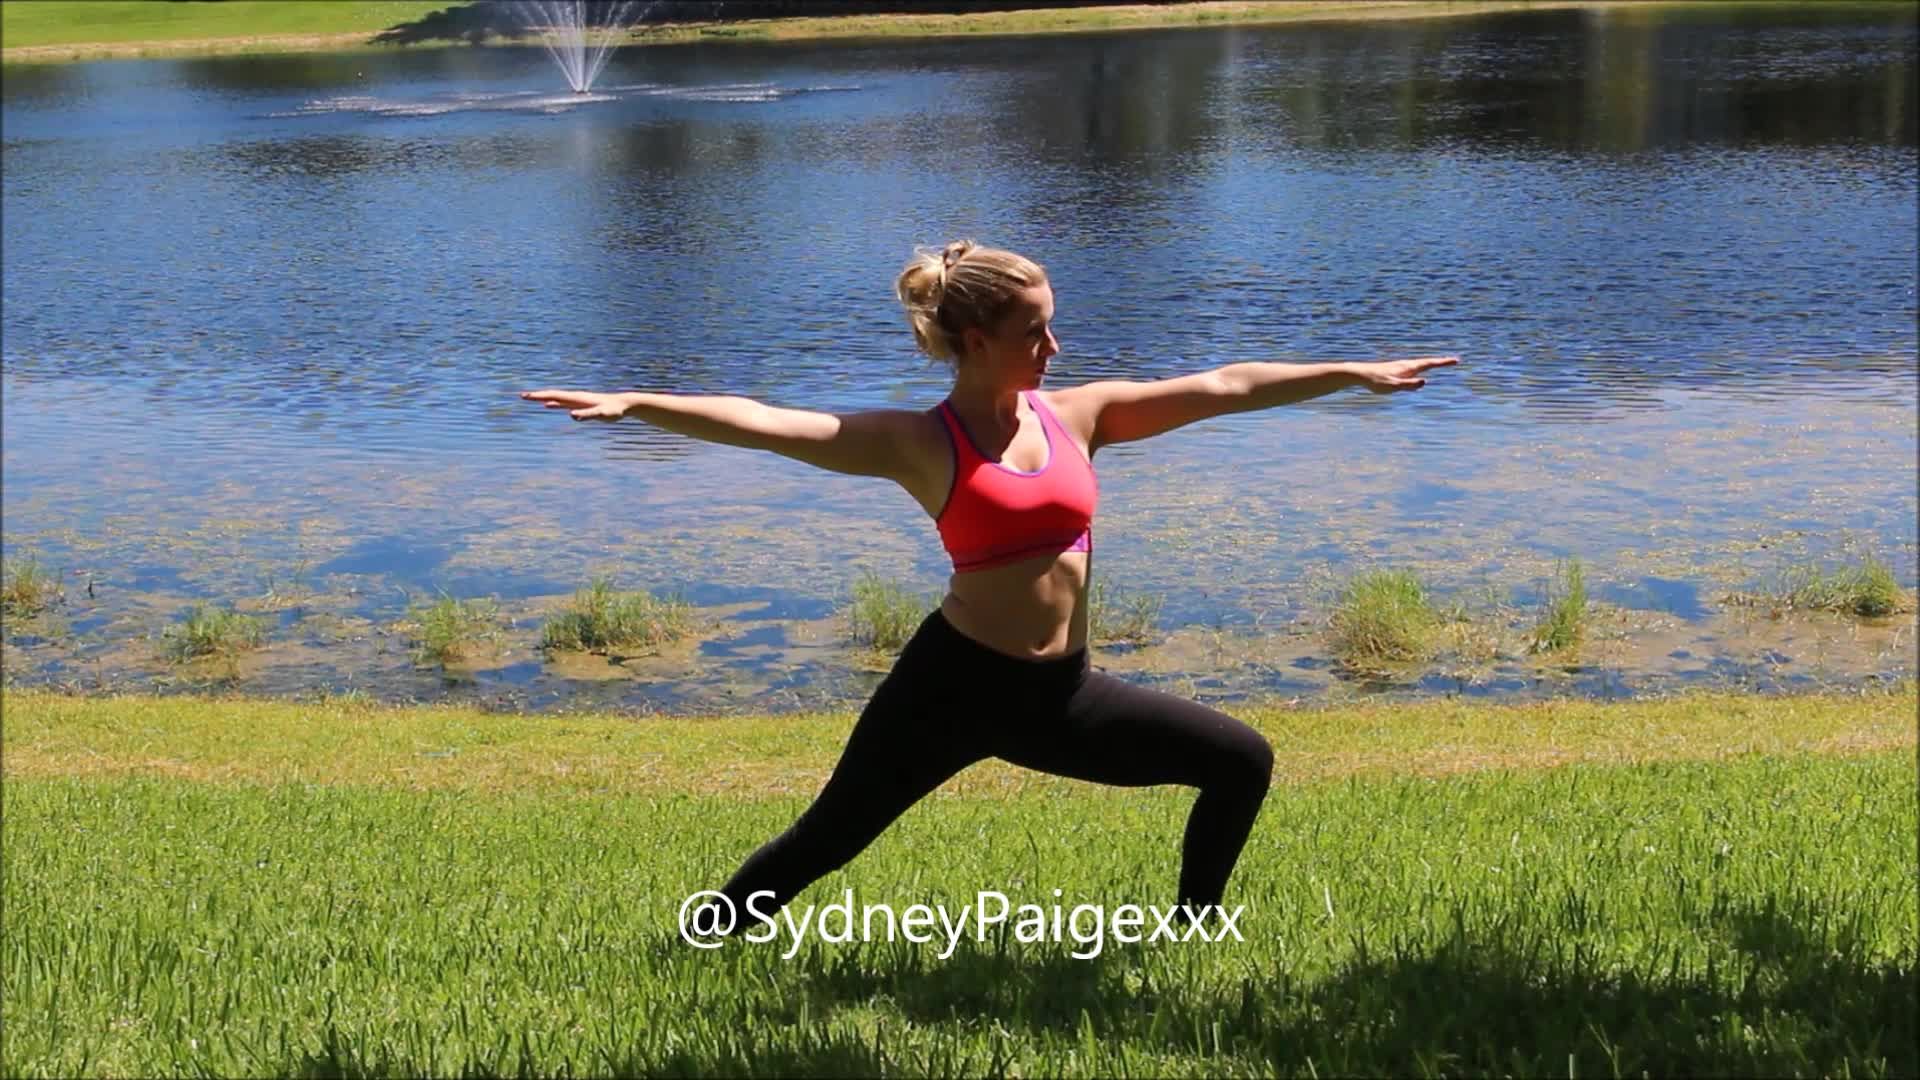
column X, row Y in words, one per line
column 561, row 399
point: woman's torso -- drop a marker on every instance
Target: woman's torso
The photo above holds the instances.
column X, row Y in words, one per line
column 1033, row 607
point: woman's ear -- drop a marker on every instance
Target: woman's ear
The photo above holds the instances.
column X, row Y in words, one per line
column 972, row 340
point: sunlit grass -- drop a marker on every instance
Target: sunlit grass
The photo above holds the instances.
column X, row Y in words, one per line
column 601, row 619
column 64, row 30
column 1383, row 616
column 365, row 890
column 212, row 632
column 1563, row 625
column 449, row 629
column 63, row 22
column 26, row 590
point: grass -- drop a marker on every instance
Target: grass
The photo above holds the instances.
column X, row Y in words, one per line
column 1564, row 624
column 601, row 620
column 1383, row 617
column 26, row 590
column 449, row 629
column 76, row 22
column 1866, row 589
column 1117, row 619
column 212, row 631
column 52, row 30
column 883, row 614
column 356, row 890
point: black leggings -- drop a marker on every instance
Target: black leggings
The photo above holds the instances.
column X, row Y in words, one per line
column 950, row 701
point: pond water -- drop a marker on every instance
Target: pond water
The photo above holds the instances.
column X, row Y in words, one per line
column 266, row 319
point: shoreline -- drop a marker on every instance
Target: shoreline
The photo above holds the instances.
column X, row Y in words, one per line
column 1033, row 21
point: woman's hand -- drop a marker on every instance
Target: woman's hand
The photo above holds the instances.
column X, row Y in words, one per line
column 584, row 404
column 1387, row 376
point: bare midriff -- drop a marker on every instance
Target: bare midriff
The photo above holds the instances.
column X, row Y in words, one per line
column 1032, row 609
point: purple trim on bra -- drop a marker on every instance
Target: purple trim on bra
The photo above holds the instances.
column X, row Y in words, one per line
column 953, row 478
column 983, row 454
column 1041, row 408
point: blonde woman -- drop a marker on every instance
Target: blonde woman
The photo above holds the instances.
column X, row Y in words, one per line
column 1001, row 668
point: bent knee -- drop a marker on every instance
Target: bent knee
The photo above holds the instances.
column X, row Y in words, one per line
column 1259, row 761
column 1248, row 764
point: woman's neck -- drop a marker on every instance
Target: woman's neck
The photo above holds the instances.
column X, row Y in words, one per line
column 975, row 399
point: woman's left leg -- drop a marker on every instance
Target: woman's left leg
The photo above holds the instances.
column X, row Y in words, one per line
column 1113, row 732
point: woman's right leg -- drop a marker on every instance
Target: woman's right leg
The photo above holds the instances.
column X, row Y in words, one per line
column 911, row 738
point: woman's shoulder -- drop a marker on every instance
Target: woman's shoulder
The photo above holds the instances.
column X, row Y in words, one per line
column 1076, row 408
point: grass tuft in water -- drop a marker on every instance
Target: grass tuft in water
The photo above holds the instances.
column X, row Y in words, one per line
column 884, row 614
column 1383, row 616
column 212, row 632
column 1564, row 625
column 602, row 619
column 449, row 629
column 1867, row 589
column 27, row 589
column 1125, row 619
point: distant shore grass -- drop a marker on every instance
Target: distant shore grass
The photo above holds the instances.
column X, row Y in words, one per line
column 68, row 30
column 356, row 890
column 44, row 25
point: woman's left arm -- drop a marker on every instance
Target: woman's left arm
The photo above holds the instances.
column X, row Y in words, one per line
column 1125, row 411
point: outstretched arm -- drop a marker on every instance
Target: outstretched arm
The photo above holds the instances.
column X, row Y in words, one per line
column 863, row 443
column 1124, row 411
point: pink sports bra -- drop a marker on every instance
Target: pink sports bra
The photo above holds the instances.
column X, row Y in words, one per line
column 995, row 515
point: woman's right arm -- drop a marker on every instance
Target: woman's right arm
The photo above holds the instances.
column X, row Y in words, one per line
column 872, row 443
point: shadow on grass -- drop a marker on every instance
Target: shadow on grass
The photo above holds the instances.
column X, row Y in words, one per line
column 473, row 23
column 1807, row 1001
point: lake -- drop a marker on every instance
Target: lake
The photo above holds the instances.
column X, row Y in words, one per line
column 266, row 320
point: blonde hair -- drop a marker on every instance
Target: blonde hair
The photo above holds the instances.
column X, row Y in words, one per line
column 958, row 287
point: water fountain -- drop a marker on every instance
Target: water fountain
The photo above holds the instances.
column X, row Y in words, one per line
column 579, row 34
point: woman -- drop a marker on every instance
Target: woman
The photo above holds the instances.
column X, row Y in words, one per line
column 1001, row 668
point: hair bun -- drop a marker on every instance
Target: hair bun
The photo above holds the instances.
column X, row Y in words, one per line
column 951, row 255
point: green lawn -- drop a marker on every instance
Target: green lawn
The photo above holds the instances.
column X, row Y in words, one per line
column 53, row 30
column 26, row 23
column 248, row 888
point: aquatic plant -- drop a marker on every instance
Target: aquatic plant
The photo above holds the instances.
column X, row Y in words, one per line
column 884, row 614
column 448, row 628
column 212, row 632
column 26, row 590
column 1564, row 623
column 1115, row 620
column 602, row 619
column 1383, row 616
column 1867, row 589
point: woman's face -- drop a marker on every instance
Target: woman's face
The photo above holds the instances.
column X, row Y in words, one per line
column 1015, row 353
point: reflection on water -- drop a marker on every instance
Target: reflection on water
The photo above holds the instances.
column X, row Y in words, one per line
column 267, row 317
